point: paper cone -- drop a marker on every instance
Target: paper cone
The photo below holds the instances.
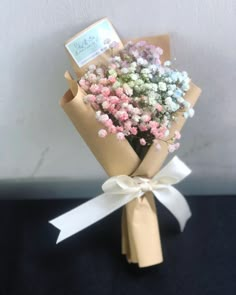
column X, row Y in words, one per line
column 140, row 233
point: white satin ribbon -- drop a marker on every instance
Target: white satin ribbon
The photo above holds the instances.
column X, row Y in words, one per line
column 120, row 190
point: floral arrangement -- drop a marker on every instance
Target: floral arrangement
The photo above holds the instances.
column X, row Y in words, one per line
column 129, row 104
column 136, row 97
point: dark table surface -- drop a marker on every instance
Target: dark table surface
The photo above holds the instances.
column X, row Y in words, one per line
column 200, row 261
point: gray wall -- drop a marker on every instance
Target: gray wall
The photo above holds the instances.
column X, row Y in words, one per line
column 38, row 142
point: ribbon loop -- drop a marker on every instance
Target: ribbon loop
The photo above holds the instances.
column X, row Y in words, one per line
column 120, row 190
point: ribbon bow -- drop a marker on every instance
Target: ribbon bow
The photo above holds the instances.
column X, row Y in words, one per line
column 120, row 190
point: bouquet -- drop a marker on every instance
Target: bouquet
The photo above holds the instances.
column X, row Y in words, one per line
column 129, row 105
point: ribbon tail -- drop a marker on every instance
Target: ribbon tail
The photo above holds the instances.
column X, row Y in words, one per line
column 175, row 202
column 88, row 213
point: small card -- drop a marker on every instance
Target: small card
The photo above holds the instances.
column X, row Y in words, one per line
column 93, row 41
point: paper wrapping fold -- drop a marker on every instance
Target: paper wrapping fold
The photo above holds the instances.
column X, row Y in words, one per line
column 140, row 233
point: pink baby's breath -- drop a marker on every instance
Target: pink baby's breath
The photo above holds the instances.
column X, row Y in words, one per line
column 173, row 147
column 92, row 78
column 142, row 141
column 119, row 129
column 143, row 127
column 112, row 79
column 159, row 107
column 122, row 115
column 119, row 91
column 103, row 81
column 90, row 98
column 158, row 146
column 120, row 136
column 102, row 133
column 177, row 134
column 134, row 130
column 114, row 99
column 112, row 129
column 153, row 124
column 103, row 118
column 108, row 123
column 105, row 105
column 146, row 118
column 128, row 125
column 105, row 91
column 95, row 89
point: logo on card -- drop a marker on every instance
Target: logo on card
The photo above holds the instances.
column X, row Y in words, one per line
column 91, row 43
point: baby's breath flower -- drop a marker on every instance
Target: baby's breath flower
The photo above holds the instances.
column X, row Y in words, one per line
column 168, row 100
column 167, row 63
column 117, row 58
column 191, row 112
column 120, row 136
column 136, row 118
column 186, row 104
column 134, row 77
column 131, row 84
column 186, row 115
column 112, row 72
column 139, row 82
column 180, row 99
column 185, row 87
column 145, row 71
column 133, row 64
column 102, row 133
column 141, row 61
column 162, row 86
column 92, row 68
column 136, row 96
column 143, row 141
column 128, row 90
column 124, row 71
column 116, row 85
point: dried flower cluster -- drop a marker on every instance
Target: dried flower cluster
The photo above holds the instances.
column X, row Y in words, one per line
column 136, row 96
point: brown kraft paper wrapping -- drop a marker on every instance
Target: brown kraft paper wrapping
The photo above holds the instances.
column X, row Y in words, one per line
column 140, row 232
